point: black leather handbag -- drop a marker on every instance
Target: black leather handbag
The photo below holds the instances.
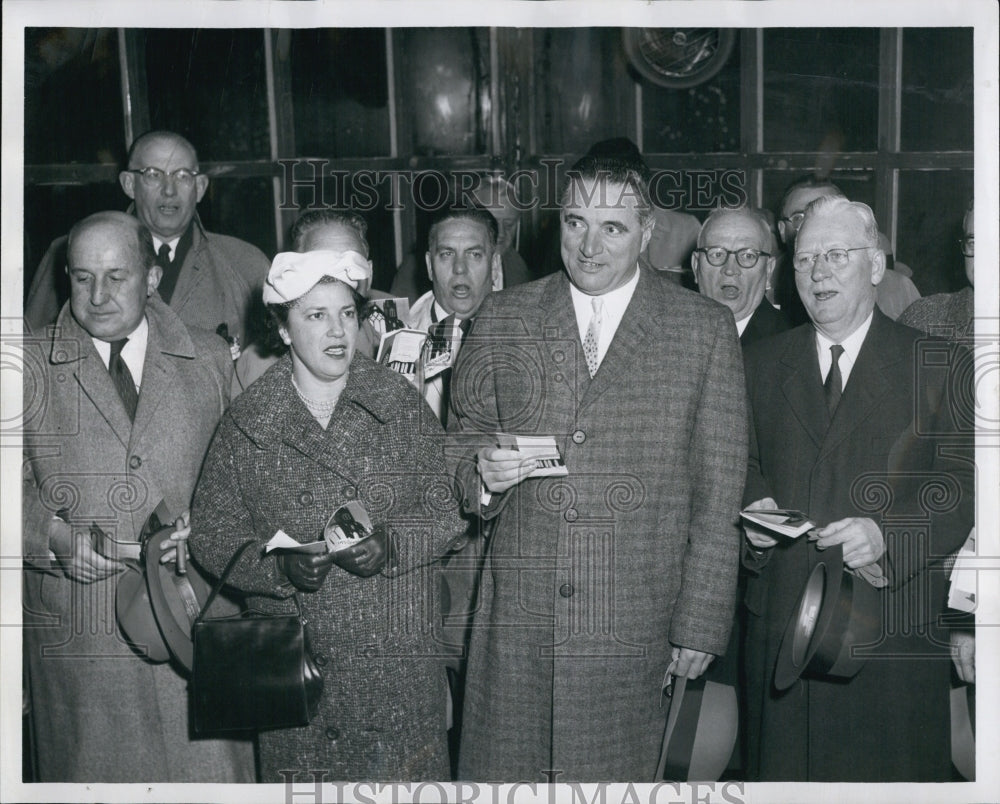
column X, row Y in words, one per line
column 252, row 672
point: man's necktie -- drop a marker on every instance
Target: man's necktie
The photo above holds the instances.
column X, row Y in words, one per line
column 122, row 378
column 834, row 385
column 168, row 281
column 593, row 337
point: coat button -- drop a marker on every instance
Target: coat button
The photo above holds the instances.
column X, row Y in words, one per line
column 579, row 436
column 320, row 661
column 369, row 652
column 305, row 499
column 571, row 515
column 558, row 377
column 566, row 590
column 134, row 462
column 332, row 733
column 559, row 357
column 349, row 492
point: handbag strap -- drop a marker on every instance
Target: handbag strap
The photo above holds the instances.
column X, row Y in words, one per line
column 224, row 577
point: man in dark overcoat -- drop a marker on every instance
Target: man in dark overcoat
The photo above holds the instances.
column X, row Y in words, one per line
column 855, row 420
column 600, row 582
column 101, row 456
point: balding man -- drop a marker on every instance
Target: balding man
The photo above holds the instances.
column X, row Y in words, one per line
column 125, row 399
column 854, row 423
column 733, row 264
column 209, row 279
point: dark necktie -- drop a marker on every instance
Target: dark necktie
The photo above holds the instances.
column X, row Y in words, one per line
column 834, row 385
column 463, row 329
column 122, row 378
column 169, row 279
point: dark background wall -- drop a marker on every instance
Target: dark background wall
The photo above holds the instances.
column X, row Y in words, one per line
column 888, row 113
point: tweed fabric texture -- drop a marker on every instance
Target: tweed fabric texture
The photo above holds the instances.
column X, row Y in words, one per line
column 591, row 577
column 271, row 466
column 101, row 713
column 947, row 315
column 893, row 452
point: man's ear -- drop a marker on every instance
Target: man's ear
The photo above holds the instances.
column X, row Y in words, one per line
column 201, row 185
column 153, row 277
column 430, row 266
column 878, row 266
column 647, row 232
column 127, row 181
column 782, row 231
column 769, row 270
column 496, row 270
column 694, row 267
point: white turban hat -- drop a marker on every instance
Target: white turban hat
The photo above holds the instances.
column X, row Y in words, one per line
column 293, row 274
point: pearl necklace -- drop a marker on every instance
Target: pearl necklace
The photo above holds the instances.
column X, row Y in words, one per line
column 321, row 408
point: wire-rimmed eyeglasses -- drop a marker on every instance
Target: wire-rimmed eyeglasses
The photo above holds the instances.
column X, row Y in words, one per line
column 746, row 258
column 836, row 258
column 154, row 177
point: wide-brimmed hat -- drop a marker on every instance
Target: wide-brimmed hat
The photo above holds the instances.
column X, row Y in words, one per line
column 836, row 613
column 701, row 731
column 156, row 607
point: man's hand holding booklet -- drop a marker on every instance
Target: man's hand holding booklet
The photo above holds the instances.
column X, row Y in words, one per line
column 781, row 521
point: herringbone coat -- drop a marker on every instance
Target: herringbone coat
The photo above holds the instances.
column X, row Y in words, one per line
column 101, row 713
column 590, row 578
column 271, row 467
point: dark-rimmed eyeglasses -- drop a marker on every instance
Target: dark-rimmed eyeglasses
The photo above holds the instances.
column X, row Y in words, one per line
column 836, row 258
column 154, row 177
column 968, row 245
column 745, row 257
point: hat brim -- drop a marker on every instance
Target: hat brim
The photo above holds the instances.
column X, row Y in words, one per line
column 702, row 725
column 178, row 599
column 134, row 613
column 836, row 613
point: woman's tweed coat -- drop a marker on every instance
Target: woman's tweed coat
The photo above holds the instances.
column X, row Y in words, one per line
column 270, row 467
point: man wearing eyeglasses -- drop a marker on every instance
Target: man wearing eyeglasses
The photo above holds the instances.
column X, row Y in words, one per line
column 854, row 420
column 732, row 265
column 209, row 279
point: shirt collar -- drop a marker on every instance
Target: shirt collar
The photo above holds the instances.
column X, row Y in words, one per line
column 615, row 301
column 134, row 353
column 852, row 343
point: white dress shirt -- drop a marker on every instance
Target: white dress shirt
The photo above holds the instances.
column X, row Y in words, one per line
column 742, row 324
column 615, row 303
column 852, row 345
column 134, row 352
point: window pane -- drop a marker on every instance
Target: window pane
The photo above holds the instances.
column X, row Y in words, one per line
column 702, row 119
column 446, row 83
column 73, row 106
column 209, row 85
column 821, row 89
column 932, row 204
column 937, row 89
column 581, row 75
column 243, row 208
column 340, row 92
column 51, row 210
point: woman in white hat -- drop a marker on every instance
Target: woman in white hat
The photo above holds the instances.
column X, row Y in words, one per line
column 323, row 427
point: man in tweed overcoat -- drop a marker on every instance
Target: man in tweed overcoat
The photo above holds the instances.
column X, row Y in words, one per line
column 100, row 712
column 598, row 582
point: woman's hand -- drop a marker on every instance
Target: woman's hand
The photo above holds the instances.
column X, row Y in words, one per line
column 367, row 557
column 306, row 571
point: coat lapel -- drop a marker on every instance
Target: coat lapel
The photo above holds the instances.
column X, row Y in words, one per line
column 190, row 274
column 628, row 347
column 865, row 388
column 167, row 343
column 802, row 385
column 559, row 330
column 90, row 373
